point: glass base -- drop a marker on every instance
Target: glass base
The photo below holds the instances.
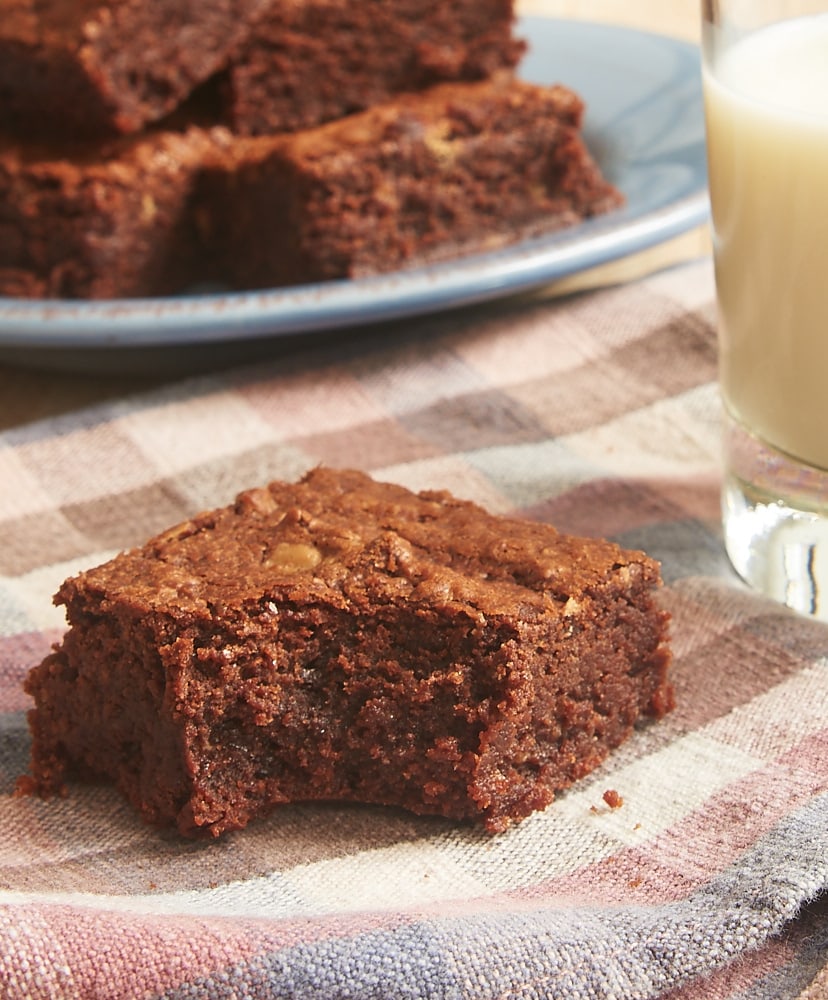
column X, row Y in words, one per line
column 775, row 516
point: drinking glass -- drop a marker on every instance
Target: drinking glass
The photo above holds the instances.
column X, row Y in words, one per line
column 765, row 79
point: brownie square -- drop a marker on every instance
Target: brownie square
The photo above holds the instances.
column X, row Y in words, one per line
column 310, row 61
column 425, row 177
column 108, row 220
column 344, row 639
column 97, row 68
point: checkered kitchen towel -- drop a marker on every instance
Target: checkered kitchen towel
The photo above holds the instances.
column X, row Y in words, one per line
column 598, row 413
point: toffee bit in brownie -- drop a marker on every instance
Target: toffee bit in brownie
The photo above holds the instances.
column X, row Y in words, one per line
column 344, row 639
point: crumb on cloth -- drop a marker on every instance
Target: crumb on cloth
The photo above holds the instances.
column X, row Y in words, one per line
column 613, row 799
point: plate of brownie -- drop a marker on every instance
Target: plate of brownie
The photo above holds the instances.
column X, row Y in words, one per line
column 544, row 148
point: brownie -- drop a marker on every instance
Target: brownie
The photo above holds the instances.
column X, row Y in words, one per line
column 306, row 62
column 109, row 220
column 95, row 68
column 17, row 283
column 424, row 177
column 347, row 640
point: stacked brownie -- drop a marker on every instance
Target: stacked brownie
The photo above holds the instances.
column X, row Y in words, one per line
column 145, row 148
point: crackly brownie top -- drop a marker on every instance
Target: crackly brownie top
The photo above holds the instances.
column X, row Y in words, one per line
column 339, row 537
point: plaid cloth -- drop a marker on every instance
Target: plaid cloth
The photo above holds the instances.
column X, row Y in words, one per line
column 598, row 413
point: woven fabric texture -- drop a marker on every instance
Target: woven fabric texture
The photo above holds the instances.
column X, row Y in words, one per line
column 598, row 413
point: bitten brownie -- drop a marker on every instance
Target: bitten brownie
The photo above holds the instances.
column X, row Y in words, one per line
column 344, row 639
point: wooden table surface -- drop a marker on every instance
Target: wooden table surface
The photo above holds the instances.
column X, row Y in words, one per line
column 29, row 393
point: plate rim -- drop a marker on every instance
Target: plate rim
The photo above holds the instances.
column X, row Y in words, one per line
column 313, row 308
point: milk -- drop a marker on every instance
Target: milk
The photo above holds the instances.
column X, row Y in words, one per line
column 766, row 103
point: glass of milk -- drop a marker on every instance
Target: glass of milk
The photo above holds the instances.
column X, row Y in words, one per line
column 765, row 73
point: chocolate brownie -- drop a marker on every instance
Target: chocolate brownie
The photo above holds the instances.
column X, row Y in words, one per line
column 20, row 284
column 461, row 167
column 103, row 221
column 311, row 61
column 94, row 68
column 343, row 639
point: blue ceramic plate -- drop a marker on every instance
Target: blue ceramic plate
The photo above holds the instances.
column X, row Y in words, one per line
column 644, row 124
